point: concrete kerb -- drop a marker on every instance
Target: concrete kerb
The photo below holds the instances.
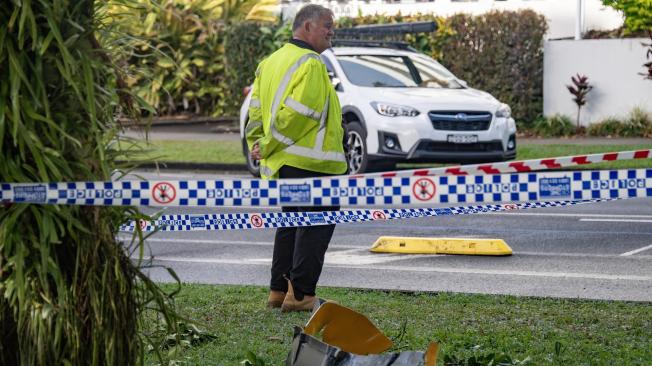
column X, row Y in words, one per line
column 222, row 167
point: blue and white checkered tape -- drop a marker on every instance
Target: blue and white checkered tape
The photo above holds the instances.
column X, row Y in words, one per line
column 346, row 191
column 240, row 221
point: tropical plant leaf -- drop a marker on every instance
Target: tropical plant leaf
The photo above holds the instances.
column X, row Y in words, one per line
column 69, row 293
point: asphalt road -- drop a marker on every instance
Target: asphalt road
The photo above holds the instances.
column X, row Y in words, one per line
column 596, row 251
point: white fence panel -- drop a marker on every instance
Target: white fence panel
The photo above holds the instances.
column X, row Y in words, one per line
column 612, row 66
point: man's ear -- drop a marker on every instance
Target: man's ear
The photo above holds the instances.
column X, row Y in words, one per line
column 307, row 26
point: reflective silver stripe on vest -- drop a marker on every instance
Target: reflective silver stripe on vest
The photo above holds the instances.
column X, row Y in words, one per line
column 251, row 125
column 281, row 91
column 255, row 103
column 284, row 139
column 319, row 140
column 315, row 154
column 265, row 171
column 302, row 109
column 317, row 151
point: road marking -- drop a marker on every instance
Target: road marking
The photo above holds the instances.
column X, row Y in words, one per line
column 593, row 276
column 364, row 248
column 636, row 251
column 352, row 257
column 614, row 220
column 223, row 242
column 349, row 257
column 266, row 262
column 578, row 255
column 570, row 215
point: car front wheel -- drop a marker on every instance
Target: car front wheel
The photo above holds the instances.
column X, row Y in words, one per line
column 356, row 148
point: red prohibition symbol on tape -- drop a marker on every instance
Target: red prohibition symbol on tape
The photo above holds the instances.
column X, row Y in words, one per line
column 256, row 220
column 423, row 189
column 142, row 223
column 164, row 193
column 379, row 215
column 510, row 207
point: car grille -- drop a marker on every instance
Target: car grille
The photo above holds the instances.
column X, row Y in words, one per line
column 460, row 120
column 432, row 146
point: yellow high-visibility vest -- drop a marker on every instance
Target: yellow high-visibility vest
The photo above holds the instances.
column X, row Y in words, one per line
column 295, row 115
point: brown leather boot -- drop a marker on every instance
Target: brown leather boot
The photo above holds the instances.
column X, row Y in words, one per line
column 275, row 299
column 290, row 303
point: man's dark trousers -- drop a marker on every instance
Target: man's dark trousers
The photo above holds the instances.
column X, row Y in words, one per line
column 299, row 251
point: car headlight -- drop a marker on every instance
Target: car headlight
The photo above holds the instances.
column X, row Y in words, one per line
column 393, row 110
column 504, row 111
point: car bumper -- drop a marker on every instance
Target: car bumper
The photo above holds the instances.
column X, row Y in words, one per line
column 445, row 152
column 416, row 138
column 432, row 151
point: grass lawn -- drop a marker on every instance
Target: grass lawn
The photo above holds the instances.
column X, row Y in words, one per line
column 231, row 152
column 526, row 152
column 193, row 151
column 548, row 331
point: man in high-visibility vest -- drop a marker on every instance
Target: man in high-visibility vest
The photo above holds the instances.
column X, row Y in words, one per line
column 295, row 130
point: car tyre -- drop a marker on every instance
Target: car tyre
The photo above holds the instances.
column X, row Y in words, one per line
column 357, row 159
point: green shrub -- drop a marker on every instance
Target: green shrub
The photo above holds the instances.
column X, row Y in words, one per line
column 555, row 126
column 500, row 52
column 246, row 44
column 637, row 124
column 182, row 57
column 620, row 32
column 173, row 53
column 638, row 13
column 69, row 292
column 608, row 127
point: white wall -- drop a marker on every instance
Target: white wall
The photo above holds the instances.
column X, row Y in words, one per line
column 612, row 66
column 561, row 14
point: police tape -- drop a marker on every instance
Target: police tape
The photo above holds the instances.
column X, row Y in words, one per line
column 520, row 166
column 244, row 221
column 342, row 190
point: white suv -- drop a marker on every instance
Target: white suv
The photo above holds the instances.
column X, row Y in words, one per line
column 402, row 106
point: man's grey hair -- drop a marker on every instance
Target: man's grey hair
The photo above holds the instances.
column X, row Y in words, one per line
column 310, row 12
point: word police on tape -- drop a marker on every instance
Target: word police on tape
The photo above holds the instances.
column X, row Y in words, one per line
column 344, row 190
column 242, row 221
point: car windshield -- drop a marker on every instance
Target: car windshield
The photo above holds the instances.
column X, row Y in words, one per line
column 397, row 72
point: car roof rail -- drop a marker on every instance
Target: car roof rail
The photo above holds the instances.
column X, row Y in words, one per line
column 371, row 43
column 386, row 29
column 375, row 35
